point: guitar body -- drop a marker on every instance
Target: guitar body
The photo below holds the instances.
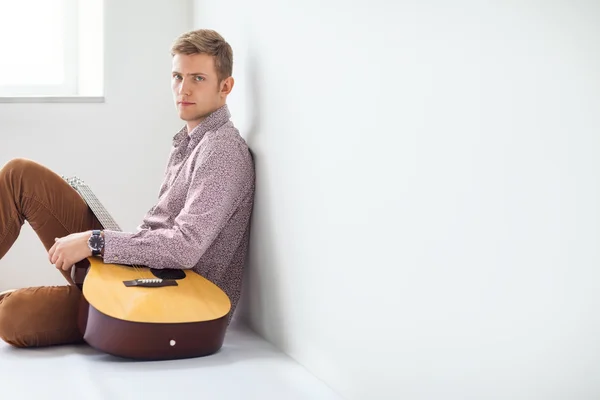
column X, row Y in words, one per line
column 185, row 320
column 139, row 313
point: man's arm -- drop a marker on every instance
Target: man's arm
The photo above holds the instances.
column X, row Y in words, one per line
column 221, row 179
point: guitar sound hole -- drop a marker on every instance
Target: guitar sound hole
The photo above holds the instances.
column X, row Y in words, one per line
column 168, row 273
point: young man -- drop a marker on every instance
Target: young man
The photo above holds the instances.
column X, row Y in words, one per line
column 200, row 221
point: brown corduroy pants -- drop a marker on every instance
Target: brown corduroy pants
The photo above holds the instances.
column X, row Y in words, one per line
column 46, row 315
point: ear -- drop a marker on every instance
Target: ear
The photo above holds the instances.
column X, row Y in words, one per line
column 227, row 86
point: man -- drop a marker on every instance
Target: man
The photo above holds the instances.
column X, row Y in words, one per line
column 200, row 221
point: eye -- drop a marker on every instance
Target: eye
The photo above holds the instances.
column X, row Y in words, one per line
column 177, row 76
column 199, row 78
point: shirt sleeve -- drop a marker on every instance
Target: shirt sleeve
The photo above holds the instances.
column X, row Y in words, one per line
column 222, row 177
column 163, row 187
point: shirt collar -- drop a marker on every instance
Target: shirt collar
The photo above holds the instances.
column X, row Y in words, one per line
column 213, row 121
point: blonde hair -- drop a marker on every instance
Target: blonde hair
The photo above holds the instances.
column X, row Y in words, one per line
column 206, row 41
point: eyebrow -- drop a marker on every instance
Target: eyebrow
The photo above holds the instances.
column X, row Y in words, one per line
column 191, row 74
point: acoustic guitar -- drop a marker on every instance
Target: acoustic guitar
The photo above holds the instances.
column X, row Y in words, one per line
column 136, row 312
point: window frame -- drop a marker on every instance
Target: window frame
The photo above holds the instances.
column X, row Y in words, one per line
column 69, row 90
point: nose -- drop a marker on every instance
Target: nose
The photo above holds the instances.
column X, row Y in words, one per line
column 184, row 87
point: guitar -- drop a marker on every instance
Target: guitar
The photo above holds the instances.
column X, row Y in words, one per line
column 135, row 312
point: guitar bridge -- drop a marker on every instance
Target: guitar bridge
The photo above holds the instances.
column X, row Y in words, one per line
column 150, row 282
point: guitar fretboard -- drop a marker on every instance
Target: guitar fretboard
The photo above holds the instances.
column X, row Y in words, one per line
column 92, row 201
column 103, row 216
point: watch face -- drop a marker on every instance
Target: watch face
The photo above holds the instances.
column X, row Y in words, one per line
column 96, row 242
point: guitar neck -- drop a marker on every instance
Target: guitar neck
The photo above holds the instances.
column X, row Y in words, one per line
column 92, row 201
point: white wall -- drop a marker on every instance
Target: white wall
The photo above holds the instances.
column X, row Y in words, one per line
column 119, row 147
column 426, row 219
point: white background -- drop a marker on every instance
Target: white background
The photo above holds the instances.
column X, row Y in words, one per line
column 426, row 222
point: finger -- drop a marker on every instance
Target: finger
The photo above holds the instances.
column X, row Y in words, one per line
column 59, row 263
column 51, row 252
column 55, row 257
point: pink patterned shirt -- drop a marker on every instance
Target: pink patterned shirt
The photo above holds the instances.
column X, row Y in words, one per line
column 202, row 218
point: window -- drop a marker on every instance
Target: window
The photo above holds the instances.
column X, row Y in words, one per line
column 51, row 48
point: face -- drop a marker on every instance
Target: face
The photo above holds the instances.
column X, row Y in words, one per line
column 196, row 88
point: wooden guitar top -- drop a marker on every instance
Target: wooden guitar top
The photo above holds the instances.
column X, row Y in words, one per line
column 194, row 299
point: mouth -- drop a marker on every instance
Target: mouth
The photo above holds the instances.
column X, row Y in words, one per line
column 185, row 103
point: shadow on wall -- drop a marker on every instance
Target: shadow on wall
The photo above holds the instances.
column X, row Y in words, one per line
column 261, row 302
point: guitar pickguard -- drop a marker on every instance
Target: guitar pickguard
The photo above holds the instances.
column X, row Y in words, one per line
column 168, row 273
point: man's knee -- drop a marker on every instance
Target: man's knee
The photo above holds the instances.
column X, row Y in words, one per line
column 40, row 316
column 11, row 320
column 18, row 164
column 19, row 167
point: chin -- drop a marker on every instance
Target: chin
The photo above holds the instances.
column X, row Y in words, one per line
column 187, row 116
column 193, row 115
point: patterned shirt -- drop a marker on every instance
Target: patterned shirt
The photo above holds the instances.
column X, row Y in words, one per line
column 202, row 218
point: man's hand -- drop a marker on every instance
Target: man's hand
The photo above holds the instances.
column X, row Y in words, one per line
column 69, row 250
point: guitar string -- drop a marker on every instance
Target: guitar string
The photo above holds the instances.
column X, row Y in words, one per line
column 104, row 217
column 107, row 220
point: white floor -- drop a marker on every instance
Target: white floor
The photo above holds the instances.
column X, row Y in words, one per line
column 247, row 367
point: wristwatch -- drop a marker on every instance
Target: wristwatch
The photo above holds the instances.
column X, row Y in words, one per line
column 96, row 243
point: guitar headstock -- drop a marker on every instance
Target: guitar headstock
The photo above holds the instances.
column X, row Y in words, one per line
column 74, row 181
